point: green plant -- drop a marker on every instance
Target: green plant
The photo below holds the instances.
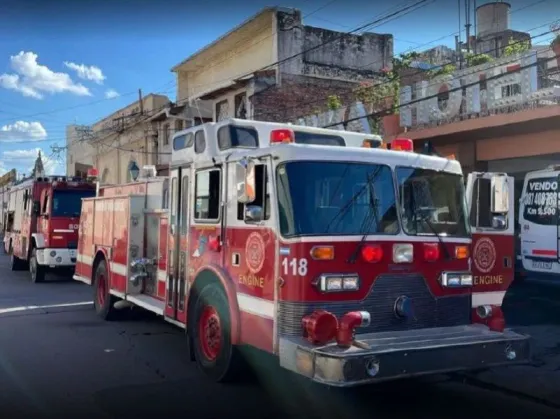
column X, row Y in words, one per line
column 477, row 59
column 334, row 102
column 385, row 91
column 516, row 47
column 445, row 70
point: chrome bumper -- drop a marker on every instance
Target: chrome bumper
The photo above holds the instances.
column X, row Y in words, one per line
column 392, row 355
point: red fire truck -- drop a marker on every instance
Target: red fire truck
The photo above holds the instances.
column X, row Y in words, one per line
column 41, row 231
column 349, row 262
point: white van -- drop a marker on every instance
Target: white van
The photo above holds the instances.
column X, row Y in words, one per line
column 538, row 220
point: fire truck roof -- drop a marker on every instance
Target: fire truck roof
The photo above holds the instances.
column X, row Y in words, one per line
column 233, row 139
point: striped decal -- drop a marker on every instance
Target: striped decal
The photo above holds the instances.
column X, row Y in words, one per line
column 544, row 252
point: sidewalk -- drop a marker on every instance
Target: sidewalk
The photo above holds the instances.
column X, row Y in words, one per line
column 541, row 380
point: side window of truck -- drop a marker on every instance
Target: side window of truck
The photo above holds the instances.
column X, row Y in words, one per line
column 262, row 196
column 480, row 215
column 45, row 204
column 207, row 195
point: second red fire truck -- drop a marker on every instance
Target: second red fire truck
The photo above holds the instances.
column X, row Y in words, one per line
column 348, row 262
column 41, row 228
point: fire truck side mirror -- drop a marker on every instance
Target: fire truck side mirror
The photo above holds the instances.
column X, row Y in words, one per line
column 245, row 179
column 36, row 207
column 499, row 198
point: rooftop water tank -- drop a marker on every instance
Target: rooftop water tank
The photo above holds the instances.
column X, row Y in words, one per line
column 492, row 18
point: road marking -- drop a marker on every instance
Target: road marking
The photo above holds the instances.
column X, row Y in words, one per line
column 25, row 308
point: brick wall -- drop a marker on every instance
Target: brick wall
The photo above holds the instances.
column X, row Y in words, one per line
column 299, row 96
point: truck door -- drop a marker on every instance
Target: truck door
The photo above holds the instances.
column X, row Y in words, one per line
column 177, row 246
column 490, row 202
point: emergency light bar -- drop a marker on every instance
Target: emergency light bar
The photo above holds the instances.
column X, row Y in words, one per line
column 402, row 144
column 279, row 136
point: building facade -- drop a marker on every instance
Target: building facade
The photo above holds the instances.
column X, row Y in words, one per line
column 117, row 141
column 274, row 68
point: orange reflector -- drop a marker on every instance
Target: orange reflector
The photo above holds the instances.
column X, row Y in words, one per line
column 451, row 157
column 322, row 253
column 461, row 252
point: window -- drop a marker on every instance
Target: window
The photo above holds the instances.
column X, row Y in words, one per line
column 262, row 197
column 303, row 137
column 480, row 215
column 45, row 204
column 166, row 134
column 231, row 136
column 540, row 201
column 199, row 142
column 174, row 194
column 183, row 141
column 207, row 195
column 336, row 198
column 165, row 194
column 68, row 202
column 184, row 205
column 432, row 202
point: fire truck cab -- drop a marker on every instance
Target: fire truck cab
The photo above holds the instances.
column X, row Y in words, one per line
column 41, row 231
column 349, row 262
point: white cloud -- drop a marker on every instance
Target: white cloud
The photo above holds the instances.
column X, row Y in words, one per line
column 111, row 94
column 2, row 169
column 25, row 160
column 21, row 131
column 33, row 79
column 92, row 72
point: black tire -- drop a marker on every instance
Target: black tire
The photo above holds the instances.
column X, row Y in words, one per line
column 37, row 271
column 227, row 363
column 103, row 301
column 16, row 264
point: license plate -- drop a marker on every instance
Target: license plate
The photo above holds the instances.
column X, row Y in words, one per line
column 538, row 264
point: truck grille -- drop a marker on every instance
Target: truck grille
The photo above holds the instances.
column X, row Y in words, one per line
column 429, row 311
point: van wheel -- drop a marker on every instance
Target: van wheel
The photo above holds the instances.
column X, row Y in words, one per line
column 103, row 301
column 37, row 271
column 211, row 336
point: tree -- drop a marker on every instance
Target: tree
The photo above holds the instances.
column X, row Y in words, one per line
column 477, row 59
column 516, row 47
column 38, row 168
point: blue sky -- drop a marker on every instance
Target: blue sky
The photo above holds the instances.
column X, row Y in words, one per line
column 74, row 53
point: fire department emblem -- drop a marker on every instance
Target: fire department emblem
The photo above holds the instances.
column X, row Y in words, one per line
column 484, row 255
column 254, row 252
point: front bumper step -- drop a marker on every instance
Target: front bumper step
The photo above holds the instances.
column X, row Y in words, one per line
column 392, row 355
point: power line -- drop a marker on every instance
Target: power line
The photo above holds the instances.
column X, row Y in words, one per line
column 435, row 96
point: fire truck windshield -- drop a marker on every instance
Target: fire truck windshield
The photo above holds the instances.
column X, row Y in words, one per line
column 68, row 203
column 320, row 198
column 432, row 202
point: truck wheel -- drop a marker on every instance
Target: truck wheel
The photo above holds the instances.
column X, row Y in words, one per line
column 15, row 262
column 37, row 271
column 103, row 301
column 211, row 338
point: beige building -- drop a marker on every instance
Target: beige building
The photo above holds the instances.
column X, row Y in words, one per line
column 140, row 133
column 273, row 67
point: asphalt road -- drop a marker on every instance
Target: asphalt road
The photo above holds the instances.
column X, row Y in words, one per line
column 63, row 361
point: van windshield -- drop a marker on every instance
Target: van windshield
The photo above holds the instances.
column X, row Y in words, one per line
column 68, row 203
column 336, row 198
column 432, row 202
column 540, row 201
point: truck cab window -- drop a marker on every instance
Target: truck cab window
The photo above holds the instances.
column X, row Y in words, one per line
column 262, row 197
column 207, row 195
column 480, row 215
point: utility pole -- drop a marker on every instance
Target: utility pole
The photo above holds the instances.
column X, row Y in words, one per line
column 468, row 24
column 141, row 102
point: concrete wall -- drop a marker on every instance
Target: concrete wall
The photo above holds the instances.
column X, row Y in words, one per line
column 78, row 150
column 113, row 143
column 242, row 51
column 342, row 56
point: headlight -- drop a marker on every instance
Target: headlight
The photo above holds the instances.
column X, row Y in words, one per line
column 336, row 283
column 458, row 279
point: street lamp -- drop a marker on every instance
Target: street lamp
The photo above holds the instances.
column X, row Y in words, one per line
column 134, row 170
